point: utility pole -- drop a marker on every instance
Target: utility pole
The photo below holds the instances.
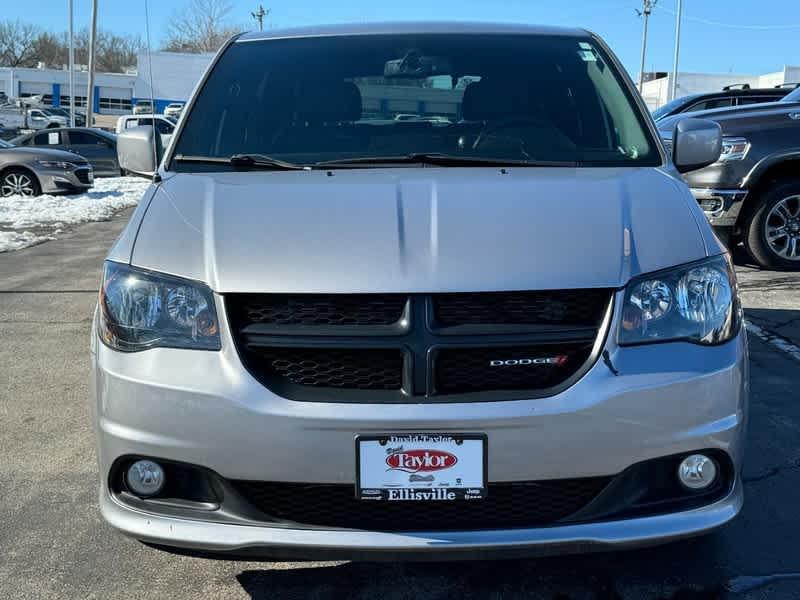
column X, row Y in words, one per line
column 90, row 107
column 71, row 71
column 674, row 86
column 259, row 16
column 647, row 8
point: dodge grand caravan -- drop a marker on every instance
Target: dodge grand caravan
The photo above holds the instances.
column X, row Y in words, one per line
column 504, row 327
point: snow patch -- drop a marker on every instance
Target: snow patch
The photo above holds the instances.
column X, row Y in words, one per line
column 51, row 213
column 15, row 240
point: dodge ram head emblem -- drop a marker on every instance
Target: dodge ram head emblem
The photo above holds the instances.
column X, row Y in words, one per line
column 523, row 362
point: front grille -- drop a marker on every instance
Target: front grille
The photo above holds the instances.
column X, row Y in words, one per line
column 402, row 347
column 507, row 505
column 558, row 307
column 82, row 175
column 319, row 310
column 330, row 367
column 464, row 370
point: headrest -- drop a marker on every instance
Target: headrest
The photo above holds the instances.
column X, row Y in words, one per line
column 329, row 102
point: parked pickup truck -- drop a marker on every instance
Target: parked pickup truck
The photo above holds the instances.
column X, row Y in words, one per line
column 37, row 118
column 752, row 193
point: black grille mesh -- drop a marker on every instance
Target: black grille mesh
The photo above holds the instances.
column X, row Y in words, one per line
column 507, row 505
column 319, row 310
column 82, row 175
column 330, row 367
column 555, row 307
column 462, row 370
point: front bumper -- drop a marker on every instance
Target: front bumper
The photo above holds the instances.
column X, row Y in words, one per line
column 55, row 181
column 721, row 207
column 251, row 542
column 204, row 408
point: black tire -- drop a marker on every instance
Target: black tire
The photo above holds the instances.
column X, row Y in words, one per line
column 754, row 231
column 7, row 181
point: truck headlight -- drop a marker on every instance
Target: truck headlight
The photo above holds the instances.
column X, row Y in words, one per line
column 734, row 148
column 696, row 303
column 141, row 309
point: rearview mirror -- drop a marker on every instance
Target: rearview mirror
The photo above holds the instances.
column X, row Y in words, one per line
column 415, row 65
column 139, row 151
column 696, row 143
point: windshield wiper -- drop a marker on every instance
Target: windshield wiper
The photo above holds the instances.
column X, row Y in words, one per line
column 443, row 160
column 258, row 161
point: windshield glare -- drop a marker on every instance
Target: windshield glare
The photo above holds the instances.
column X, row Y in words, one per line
column 793, row 96
column 519, row 97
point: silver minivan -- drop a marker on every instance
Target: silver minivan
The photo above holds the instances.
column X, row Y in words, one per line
column 502, row 327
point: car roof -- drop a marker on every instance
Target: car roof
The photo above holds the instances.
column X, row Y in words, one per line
column 91, row 130
column 411, row 27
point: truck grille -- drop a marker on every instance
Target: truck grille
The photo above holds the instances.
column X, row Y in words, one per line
column 507, row 505
column 398, row 348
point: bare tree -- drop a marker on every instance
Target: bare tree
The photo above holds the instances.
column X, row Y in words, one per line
column 116, row 53
column 203, row 26
column 17, row 44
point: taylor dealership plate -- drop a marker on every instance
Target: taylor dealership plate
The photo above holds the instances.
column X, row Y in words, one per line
column 421, row 467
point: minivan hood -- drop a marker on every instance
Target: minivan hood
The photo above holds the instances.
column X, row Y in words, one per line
column 418, row 229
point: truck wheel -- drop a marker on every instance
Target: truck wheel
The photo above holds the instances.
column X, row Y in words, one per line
column 20, row 182
column 772, row 231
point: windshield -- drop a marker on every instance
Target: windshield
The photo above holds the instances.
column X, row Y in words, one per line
column 793, row 96
column 518, row 97
column 662, row 111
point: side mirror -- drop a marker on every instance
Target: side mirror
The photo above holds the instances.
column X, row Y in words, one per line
column 139, row 151
column 696, row 143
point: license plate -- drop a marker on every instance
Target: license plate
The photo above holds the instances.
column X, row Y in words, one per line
column 421, row 467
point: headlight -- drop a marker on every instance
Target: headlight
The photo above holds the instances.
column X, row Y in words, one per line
column 56, row 164
column 734, row 148
column 140, row 310
column 696, row 303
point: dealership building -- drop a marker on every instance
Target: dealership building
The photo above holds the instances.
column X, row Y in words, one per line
column 174, row 78
column 175, row 75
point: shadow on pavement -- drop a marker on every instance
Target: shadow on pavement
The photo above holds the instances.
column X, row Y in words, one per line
column 678, row 571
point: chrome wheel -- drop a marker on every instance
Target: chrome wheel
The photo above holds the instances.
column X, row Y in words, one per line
column 17, row 184
column 782, row 228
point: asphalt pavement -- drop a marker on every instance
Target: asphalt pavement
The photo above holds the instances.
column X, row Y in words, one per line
column 53, row 543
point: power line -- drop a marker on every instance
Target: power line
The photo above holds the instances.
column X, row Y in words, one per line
column 731, row 25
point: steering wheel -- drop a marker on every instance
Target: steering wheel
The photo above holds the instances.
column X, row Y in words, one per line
column 494, row 129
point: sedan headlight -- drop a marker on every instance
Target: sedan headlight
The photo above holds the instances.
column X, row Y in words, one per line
column 696, row 303
column 140, row 310
column 56, row 164
column 734, row 148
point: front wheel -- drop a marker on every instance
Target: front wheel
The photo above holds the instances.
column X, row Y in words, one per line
column 19, row 182
column 772, row 231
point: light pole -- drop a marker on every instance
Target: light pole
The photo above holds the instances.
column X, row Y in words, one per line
column 674, row 85
column 71, row 71
column 90, row 107
column 647, row 8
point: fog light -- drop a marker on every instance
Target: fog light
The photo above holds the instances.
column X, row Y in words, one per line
column 145, row 478
column 697, row 471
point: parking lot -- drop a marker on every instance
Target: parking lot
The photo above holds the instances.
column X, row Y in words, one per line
column 54, row 544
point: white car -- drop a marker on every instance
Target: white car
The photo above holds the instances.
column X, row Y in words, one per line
column 165, row 125
column 174, row 109
column 143, row 107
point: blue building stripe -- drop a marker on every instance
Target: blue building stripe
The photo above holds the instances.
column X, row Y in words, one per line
column 56, row 95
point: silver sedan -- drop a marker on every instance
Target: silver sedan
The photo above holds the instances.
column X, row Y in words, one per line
column 34, row 171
